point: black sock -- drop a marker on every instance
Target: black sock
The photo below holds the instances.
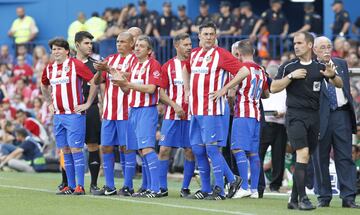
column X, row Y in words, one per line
column 300, row 170
column 294, row 193
column 64, row 178
column 94, row 166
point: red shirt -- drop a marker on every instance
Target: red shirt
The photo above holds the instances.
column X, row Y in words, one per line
column 147, row 72
column 66, row 84
column 209, row 72
column 24, row 70
column 115, row 100
column 174, row 85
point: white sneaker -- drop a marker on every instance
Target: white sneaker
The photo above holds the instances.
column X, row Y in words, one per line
column 254, row 195
column 241, row 193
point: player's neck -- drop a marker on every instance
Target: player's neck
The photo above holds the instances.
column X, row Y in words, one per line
column 142, row 60
column 180, row 57
column 61, row 61
column 124, row 54
column 81, row 57
column 305, row 58
column 247, row 59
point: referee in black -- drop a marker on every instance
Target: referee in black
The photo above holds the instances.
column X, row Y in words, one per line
column 302, row 78
column 83, row 44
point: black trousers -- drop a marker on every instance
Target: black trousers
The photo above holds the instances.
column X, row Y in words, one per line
column 274, row 135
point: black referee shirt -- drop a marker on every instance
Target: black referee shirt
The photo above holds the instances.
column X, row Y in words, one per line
column 86, row 86
column 303, row 93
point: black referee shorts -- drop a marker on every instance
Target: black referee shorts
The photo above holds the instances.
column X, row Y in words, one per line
column 93, row 125
column 303, row 128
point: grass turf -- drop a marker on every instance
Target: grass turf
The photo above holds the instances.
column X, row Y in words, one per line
column 24, row 193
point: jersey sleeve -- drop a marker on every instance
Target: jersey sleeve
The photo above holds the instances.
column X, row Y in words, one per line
column 83, row 71
column 281, row 72
column 155, row 74
column 44, row 79
column 229, row 62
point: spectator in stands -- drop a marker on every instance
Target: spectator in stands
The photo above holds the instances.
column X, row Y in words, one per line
column 312, row 21
column 41, row 111
column 76, row 26
column 21, row 50
column 22, row 69
column 7, row 137
column 5, row 74
column 40, row 58
column 339, row 48
column 144, row 20
column 8, row 112
column 96, row 26
column 5, row 56
column 247, row 20
column 341, row 23
column 182, row 24
column 204, row 16
column 275, row 22
column 225, row 23
column 24, row 28
column 352, row 61
column 127, row 13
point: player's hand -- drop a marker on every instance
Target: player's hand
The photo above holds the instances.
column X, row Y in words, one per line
column 51, row 108
column 283, row 35
column 101, row 66
column 216, row 95
column 299, row 74
column 82, row 108
column 120, row 80
column 179, row 111
column 330, row 70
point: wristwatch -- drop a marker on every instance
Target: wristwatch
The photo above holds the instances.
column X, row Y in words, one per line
column 290, row 76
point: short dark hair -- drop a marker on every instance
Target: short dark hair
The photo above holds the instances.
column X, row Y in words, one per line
column 81, row 35
column 179, row 37
column 59, row 41
column 309, row 38
column 21, row 132
column 147, row 39
column 207, row 25
column 245, row 47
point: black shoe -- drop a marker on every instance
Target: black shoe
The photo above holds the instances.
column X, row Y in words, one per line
column 350, row 204
column 234, row 186
column 185, row 192
column 216, row 194
column 105, row 191
column 140, row 192
column 293, row 205
column 198, row 195
column 94, row 188
column 164, row 192
column 125, row 191
column 323, row 204
column 150, row 194
column 261, row 194
column 305, row 204
column 62, row 186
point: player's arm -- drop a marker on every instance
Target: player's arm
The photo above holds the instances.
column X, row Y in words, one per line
column 280, row 84
column 164, row 98
column 46, row 92
column 13, row 155
column 100, row 66
column 241, row 75
column 186, row 79
column 265, row 94
column 285, row 30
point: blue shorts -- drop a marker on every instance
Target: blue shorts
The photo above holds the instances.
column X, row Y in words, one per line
column 245, row 134
column 175, row 133
column 225, row 124
column 205, row 129
column 69, row 130
column 143, row 123
column 114, row 132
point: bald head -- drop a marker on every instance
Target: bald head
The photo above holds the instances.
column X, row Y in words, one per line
column 124, row 43
column 135, row 32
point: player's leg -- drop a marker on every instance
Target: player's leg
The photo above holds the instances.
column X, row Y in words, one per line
column 254, row 158
column 189, row 163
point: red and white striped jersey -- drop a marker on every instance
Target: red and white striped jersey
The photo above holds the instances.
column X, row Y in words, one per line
column 248, row 95
column 115, row 100
column 148, row 72
column 209, row 72
column 36, row 129
column 174, row 85
column 66, row 84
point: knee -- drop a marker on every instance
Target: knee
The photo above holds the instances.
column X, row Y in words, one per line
column 189, row 154
column 164, row 153
column 302, row 155
column 92, row 147
column 212, row 150
column 107, row 149
column 198, row 150
column 66, row 150
column 146, row 151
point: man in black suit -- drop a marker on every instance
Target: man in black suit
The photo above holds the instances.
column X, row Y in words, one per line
column 337, row 123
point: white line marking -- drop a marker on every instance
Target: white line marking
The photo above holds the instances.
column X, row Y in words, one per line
column 136, row 201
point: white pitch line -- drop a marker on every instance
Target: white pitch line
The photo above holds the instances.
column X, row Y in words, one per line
column 136, row 201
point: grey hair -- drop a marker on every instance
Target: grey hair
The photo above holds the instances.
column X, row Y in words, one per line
column 321, row 38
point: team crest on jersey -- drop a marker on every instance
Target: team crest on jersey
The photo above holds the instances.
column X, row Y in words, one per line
column 67, row 69
column 208, row 59
column 156, row 74
column 58, row 72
